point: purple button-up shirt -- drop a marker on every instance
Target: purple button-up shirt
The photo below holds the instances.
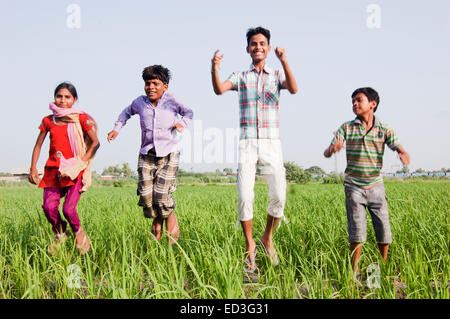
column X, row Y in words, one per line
column 157, row 122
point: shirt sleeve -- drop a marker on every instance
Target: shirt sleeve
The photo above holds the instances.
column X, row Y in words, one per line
column 340, row 135
column 44, row 125
column 85, row 123
column 281, row 79
column 392, row 139
column 186, row 113
column 124, row 116
column 234, row 79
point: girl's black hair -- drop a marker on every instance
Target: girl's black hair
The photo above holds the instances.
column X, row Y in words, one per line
column 69, row 86
column 156, row 72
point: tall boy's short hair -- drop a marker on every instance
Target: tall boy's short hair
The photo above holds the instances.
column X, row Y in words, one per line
column 370, row 93
column 156, row 72
column 258, row 30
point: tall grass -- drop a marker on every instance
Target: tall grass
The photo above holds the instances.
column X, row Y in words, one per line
column 207, row 262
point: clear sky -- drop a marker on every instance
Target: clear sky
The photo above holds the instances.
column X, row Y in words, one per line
column 400, row 48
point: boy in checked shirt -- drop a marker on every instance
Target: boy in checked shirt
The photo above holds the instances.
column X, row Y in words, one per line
column 159, row 157
column 259, row 143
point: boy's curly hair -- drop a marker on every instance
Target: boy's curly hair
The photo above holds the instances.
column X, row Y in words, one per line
column 156, row 72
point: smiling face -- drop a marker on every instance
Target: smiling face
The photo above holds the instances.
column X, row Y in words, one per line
column 362, row 106
column 258, row 48
column 64, row 98
column 154, row 89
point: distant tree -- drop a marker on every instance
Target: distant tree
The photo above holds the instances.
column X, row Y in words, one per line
column 126, row 170
column 228, row 171
column 2, row 174
column 296, row 174
column 404, row 170
column 419, row 170
column 115, row 170
column 315, row 170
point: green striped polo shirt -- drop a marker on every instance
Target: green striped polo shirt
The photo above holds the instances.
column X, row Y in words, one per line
column 365, row 150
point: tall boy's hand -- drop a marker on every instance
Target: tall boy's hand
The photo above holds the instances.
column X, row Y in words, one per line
column 216, row 61
column 112, row 136
column 281, row 54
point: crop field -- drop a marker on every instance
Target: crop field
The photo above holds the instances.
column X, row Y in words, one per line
column 127, row 262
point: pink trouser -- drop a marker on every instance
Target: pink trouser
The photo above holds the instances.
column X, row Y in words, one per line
column 52, row 197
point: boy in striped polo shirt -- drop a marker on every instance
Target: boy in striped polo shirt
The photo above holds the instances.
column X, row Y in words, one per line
column 365, row 137
column 259, row 144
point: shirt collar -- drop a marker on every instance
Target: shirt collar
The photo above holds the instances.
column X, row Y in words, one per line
column 161, row 100
column 265, row 68
column 376, row 121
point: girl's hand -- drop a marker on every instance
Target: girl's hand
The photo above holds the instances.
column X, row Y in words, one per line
column 179, row 127
column 33, row 178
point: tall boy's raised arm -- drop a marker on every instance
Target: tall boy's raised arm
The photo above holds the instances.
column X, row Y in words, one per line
column 218, row 86
column 290, row 84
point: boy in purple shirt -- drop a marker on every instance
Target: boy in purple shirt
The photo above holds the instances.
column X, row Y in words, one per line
column 159, row 157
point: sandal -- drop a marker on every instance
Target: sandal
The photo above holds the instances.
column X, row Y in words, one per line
column 82, row 241
column 272, row 256
column 249, row 264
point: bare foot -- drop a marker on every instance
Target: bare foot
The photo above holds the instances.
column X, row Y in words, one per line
column 173, row 231
column 157, row 228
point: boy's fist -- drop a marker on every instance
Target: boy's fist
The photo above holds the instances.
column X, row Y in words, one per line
column 280, row 53
column 216, row 60
column 333, row 148
column 112, row 135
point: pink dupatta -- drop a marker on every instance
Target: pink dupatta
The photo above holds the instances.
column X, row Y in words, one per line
column 73, row 166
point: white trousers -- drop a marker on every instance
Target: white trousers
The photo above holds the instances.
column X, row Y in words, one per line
column 266, row 153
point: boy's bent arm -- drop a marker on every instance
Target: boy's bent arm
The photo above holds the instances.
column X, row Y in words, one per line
column 290, row 84
column 403, row 155
column 218, row 86
column 186, row 114
column 124, row 116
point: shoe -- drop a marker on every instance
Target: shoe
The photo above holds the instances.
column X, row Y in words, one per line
column 272, row 256
column 250, row 265
column 82, row 241
column 60, row 239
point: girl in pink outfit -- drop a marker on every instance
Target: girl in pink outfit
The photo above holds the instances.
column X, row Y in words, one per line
column 73, row 143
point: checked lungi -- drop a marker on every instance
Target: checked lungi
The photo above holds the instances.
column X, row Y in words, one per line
column 156, row 184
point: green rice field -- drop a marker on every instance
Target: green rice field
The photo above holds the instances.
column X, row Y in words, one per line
column 207, row 262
